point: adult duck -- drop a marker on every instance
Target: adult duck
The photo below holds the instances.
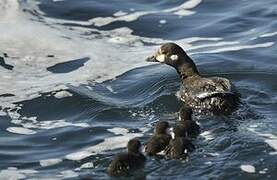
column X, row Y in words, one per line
column 213, row 94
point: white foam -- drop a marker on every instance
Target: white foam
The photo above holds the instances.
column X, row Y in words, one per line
column 263, row 171
column 20, row 130
column 55, row 124
column 68, row 174
column 248, row 168
column 29, row 123
column 49, row 162
column 162, row 21
column 216, row 44
column 120, row 13
column 3, row 113
column 118, row 131
column 240, row 47
column 181, row 10
column 213, row 154
column 111, row 89
column 186, row 5
column 102, row 21
column 272, row 143
column 62, row 94
column 12, row 173
column 270, row 139
column 269, row 34
column 34, row 124
column 207, row 135
column 88, row 165
column 108, row 144
column 77, row 156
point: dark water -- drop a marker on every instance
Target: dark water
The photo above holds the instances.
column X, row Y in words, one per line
column 79, row 87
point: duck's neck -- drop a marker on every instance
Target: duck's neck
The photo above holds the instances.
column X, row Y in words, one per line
column 187, row 68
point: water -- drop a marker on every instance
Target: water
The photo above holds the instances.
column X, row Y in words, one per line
column 74, row 85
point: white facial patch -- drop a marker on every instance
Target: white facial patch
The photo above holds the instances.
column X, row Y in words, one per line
column 160, row 57
column 174, row 57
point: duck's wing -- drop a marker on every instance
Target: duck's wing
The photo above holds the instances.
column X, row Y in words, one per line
column 209, row 87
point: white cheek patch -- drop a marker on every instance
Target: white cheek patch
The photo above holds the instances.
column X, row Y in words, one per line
column 160, row 58
column 174, row 57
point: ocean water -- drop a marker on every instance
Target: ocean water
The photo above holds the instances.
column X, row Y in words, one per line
column 75, row 87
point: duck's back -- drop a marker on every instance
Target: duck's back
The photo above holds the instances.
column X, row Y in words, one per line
column 214, row 94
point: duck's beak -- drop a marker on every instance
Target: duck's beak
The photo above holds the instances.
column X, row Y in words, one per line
column 151, row 59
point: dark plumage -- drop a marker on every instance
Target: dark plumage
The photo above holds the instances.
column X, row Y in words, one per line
column 179, row 146
column 213, row 94
column 124, row 163
column 185, row 113
column 159, row 140
column 191, row 128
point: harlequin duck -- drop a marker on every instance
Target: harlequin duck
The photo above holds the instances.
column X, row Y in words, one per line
column 214, row 94
column 123, row 164
column 185, row 120
column 159, row 140
column 179, row 146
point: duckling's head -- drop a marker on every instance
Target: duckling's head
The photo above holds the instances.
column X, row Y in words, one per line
column 162, row 127
column 134, row 146
column 185, row 113
column 173, row 55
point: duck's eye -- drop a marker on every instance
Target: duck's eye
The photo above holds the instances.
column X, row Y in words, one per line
column 174, row 57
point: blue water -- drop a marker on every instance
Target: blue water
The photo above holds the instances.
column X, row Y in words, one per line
column 79, row 88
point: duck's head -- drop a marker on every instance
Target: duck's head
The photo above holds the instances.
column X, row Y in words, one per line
column 162, row 127
column 134, row 146
column 169, row 53
column 173, row 55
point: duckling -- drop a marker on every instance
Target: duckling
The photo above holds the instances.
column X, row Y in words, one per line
column 123, row 164
column 214, row 94
column 185, row 120
column 179, row 146
column 159, row 140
